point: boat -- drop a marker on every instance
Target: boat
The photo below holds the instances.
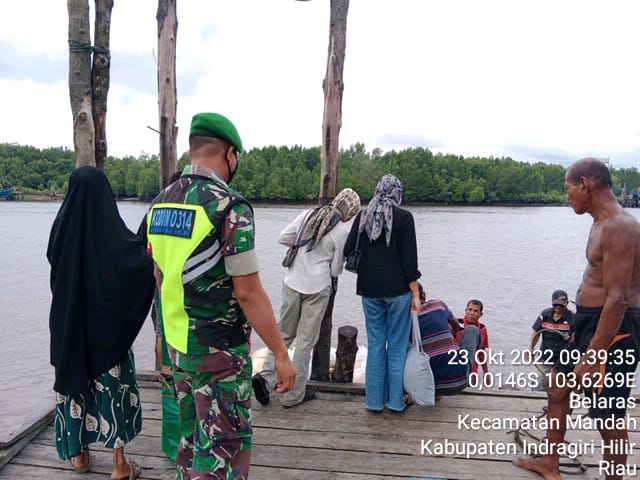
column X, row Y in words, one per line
column 6, row 192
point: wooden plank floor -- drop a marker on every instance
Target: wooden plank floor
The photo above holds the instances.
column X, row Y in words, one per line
column 332, row 437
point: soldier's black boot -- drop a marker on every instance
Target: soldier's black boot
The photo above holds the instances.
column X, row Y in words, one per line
column 260, row 389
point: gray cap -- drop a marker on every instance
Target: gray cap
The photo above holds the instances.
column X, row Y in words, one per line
column 560, row 297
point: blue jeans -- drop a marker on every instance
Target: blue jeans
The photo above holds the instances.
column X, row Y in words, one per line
column 388, row 321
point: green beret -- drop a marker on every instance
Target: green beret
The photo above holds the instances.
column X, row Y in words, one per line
column 215, row 125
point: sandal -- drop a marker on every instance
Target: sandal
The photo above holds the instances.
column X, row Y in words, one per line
column 134, row 471
column 81, row 463
column 408, row 399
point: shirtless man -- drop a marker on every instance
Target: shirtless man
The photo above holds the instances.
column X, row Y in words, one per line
column 608, row 312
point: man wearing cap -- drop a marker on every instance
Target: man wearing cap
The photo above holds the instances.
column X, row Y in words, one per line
column 607, row 328
column 556, row 327
column 201, row 236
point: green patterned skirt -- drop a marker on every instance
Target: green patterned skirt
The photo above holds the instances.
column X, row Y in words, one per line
column 110, row 412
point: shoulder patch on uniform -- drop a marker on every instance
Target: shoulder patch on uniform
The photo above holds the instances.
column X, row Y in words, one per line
column 177, row 222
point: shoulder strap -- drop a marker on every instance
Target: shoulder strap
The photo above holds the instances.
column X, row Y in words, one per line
column 357, row 245
column 303, row 227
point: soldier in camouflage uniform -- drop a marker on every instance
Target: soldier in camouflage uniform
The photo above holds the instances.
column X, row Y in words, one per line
column 201, row 235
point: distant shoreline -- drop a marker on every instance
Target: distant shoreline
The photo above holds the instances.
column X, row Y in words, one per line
column 20, row 196
column 57, row 197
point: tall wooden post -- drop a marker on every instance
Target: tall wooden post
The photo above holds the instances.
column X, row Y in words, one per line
column 167, row 97
column 80, row 82
column 322, row 351
column 89, row 84
column 333, row 87
column 100, row 78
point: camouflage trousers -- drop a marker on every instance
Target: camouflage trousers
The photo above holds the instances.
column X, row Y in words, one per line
column 214, row 396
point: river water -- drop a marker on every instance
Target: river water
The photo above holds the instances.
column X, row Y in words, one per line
column 511, row 258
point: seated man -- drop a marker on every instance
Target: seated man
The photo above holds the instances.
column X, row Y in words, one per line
column 451, row 362
column 472, row 315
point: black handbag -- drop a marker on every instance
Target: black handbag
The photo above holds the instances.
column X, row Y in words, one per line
column 352, row 262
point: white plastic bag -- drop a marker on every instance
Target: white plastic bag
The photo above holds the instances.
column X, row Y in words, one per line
column 418, row 377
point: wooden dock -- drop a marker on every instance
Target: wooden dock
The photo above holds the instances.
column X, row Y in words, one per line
column 331, row 437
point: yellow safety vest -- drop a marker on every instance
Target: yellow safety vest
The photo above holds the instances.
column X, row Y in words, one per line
column 175, row 230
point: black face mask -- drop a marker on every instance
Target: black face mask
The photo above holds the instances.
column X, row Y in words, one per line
column 232, row 173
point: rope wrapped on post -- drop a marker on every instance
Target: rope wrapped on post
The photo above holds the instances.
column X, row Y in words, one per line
column 78, row 46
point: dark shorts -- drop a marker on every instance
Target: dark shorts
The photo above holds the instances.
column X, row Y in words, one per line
column 623, row 355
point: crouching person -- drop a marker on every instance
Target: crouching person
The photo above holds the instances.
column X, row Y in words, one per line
column 451, row 361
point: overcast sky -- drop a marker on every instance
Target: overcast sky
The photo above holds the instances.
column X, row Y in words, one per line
column 539, row 80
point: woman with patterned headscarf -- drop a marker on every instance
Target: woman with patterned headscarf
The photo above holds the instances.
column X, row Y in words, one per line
column 388, row 284
column 316, row 242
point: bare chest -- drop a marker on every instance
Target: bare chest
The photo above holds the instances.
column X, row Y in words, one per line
column 594, row 247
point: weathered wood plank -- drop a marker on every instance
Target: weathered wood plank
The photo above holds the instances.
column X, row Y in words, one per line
column 300, row 442
column 35, row 427
column 358, row 389
column 268, row 473
column 20, row 472
column 12, row 448
column 143, row 445
column 381, row 463
column 398, row 441
column 15, row 472
column 354, row 405
column 101, row 461
column 147, row 377
column 439, row 412
column 315, row 459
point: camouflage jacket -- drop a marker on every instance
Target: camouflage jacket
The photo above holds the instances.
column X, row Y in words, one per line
column 215, row 320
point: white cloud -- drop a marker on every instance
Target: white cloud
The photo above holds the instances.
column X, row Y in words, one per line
column 535, row 80
column 31, row 114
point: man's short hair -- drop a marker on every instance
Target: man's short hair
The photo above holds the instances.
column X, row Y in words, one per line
column 591, row 168
column 475, row 302
column 199, row 142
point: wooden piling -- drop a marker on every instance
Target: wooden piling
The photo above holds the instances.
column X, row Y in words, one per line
column 346, row 354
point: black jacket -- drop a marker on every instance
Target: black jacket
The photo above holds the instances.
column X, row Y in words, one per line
column 386, row 271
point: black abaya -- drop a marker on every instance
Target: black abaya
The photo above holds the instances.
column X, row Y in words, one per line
column 101, row 281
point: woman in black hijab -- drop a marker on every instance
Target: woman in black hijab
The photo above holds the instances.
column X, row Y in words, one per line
column 102, row 285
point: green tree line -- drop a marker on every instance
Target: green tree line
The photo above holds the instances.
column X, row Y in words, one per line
column 293, row 174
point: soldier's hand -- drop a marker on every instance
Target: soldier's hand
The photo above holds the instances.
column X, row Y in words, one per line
column 286, row 373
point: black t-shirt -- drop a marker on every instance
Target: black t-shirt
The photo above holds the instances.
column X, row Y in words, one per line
column 550, row 339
